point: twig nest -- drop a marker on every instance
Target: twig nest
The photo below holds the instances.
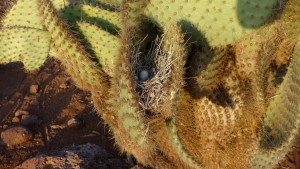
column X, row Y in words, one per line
column 144, row 75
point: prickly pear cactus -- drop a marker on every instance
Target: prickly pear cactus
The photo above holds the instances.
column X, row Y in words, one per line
column 28, row 45
column 181, row 83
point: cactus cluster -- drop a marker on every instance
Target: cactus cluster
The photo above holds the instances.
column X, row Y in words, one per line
column 218, row 97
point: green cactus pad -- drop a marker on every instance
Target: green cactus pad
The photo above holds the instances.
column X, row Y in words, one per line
column 134, row 10
column 60, row 4
column 210, row 65
column 247, row 53
column 291, row 18
column 114, row 3
column 220, row 21
column 125, row 104
column 5, row 7
column 84, row 72
column 110, row 16
column 107, row 20
column 253, row 48
column 105, row 45
column 282, row 119
column 124, row 98
column 128, row 112
column 179, row 148
column 23, row 13
column 27, row 45
column 173, row 48
column 72, row 54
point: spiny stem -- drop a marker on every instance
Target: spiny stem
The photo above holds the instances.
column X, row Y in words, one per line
column 72, row 55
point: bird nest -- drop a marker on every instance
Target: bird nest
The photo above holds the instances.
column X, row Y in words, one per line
column 158, row 64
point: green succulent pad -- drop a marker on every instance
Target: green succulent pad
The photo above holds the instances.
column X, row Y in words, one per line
column 105, row 45
column 124, row 97
column 291, row 18
column 27, row 45
column 23, row 13
column 60, row 4
column 129, row 113
column 210, row 65
column 107, row 20
column 282, row 119
column 220, row 22
column 135, row 10
column 114, row 3
column 177, row 145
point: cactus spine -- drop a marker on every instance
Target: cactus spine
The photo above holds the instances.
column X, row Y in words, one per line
column 106, row 46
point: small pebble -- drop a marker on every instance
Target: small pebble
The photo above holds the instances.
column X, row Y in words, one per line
column 144, row 75
column 15, row 120
column 33, row 89
column 74, row 122
column 34, row 102
column 20, row 113
column 15, row 136
column 27, row 120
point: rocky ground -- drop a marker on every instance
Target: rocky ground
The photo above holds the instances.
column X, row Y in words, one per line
column 46, row 122
column 42, row 113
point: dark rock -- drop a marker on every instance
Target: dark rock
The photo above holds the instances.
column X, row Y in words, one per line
column 34, row 102
column 27, row 120
column 87, row 156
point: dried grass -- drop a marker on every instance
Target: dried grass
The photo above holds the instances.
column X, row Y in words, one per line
column 159, row 64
